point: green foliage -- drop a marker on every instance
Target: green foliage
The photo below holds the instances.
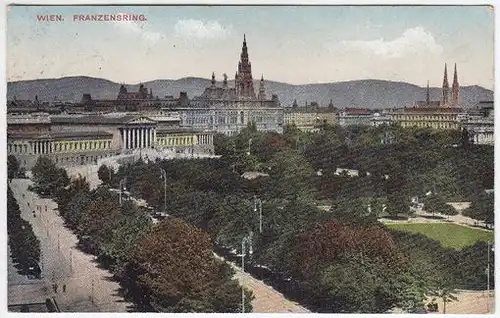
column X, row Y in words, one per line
column 177, row 272
column 24, row 245
column 436, row 205
column 105, row 174
column 12, row 167
column 291, row 177
column 48, row 178
column 398, row 204
column 482, row 209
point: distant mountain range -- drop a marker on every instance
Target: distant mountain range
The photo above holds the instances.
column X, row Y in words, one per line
column 373, row 94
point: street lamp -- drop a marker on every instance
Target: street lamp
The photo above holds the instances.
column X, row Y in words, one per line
column 122, row 187
column 249, row 145
column 258, row 202
column 247, row 240
column 164, row 176
column 488, row 276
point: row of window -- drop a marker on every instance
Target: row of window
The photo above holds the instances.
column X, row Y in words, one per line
column 176, row 141
column 82, row 145
column 427, row 124
column 47, row 147
column 419, row 117
column 79, row 160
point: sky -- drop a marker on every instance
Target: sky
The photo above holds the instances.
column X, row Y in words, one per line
column 296, row 45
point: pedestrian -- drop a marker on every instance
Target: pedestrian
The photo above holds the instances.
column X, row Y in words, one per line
column 64, row 288
column 55, row 288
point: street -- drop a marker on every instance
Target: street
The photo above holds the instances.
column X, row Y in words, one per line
column 88, row 288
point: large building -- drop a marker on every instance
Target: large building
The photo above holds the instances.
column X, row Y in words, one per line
column 71, row 140
column 441, row 114
column 479, row 122
column 228, row 110
column 309, row 118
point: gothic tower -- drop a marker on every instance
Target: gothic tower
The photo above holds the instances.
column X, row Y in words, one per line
column 455, row 89
column 446, row 88
column 243, row 78
column 262, row 89
column 428, row 97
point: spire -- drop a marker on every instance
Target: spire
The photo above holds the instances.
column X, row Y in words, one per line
column 262, row 90
column 455, row 89
column 446, row 88
column 244, row 80
column 428, row 97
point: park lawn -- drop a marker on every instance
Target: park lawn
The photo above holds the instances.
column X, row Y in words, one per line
column 448, row 234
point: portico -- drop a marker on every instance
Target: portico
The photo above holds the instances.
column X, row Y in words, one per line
column 139, row 133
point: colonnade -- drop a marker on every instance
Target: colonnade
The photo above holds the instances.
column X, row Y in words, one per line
column 138, row 137
column 204, row 139
column 484, row 137
column 42, row 147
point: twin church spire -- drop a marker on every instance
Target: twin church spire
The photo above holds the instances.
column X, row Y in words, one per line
column 448, row 98
column 455, row 89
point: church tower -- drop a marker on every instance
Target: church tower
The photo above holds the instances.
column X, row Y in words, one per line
column 243, row 78
column 455, row 89
column 262, row 89
column 428, row 96
column 446, row 89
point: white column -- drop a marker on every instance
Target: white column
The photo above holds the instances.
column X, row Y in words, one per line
column 154, row 137
column 150, row 138
column 128, row 138
column 124, row 146
column 135, row 137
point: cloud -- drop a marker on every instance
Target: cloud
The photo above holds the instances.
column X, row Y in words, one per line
column 201, row 30
column 412, row 41
column 138, row 28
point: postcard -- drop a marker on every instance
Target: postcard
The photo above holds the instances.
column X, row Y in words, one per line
column 250, row 159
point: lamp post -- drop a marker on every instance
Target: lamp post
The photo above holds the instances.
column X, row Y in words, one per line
column 258, row 202
column 249, row 145
column 488, row 279
column 247, row 240
column 122, row 187
column 164, row 176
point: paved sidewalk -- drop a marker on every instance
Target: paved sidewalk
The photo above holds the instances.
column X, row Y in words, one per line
column 267, row 300
column 88, row 288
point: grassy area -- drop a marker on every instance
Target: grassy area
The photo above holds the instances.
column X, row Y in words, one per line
column 450, row 235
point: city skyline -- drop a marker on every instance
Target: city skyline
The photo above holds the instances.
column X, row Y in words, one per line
column 387, row 43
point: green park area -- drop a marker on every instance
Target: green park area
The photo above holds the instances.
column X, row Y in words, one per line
column 449, row 235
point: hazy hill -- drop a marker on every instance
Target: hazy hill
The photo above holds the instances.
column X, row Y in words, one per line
column 359, row 93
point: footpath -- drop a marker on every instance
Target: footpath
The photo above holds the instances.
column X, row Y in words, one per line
column 88, row 288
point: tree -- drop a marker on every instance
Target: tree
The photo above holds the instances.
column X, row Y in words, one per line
column 397, row 204
column 482, row 209
column 446, row 293
column 291, row 176
column 177, row 272
column 130, row 228
column 105, row 174
column 100, row 217
column 435, row 204
column 48, row 178
column 357, row 284
column 12, row 167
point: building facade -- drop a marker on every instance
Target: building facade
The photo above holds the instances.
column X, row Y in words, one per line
column 355, row 116
column 228, row 110
column 479, row 123
column 71, row 140
column 308, row 119
column 442, row 114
